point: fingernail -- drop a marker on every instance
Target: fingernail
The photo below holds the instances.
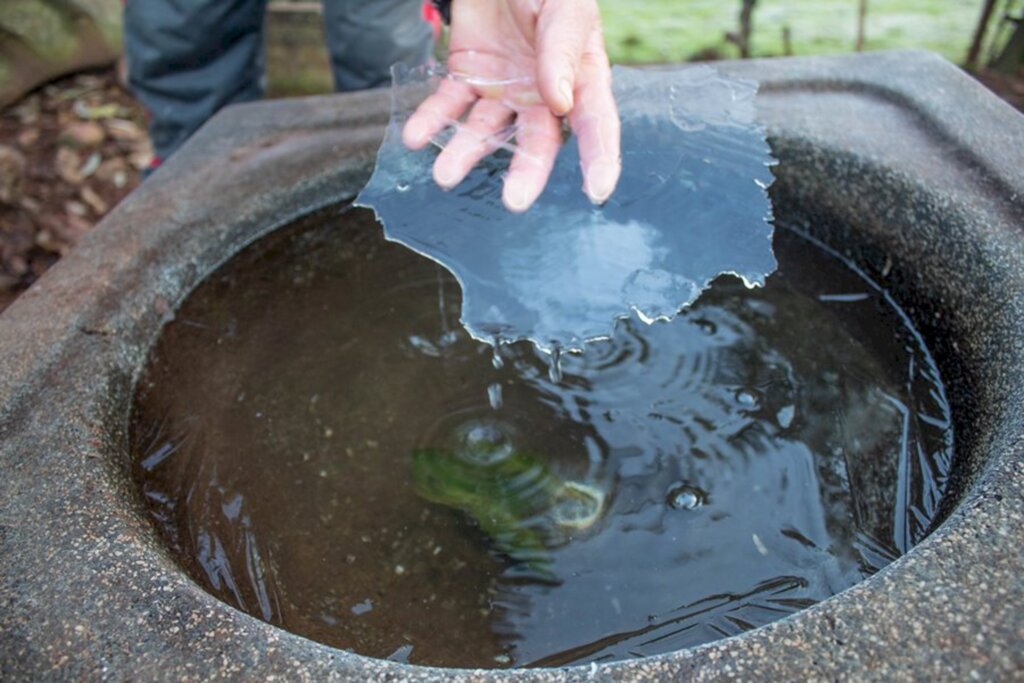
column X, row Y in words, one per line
column 516, row 197
column 601, row 180
column 565, row 90
column 412, row 134
column 445, row 177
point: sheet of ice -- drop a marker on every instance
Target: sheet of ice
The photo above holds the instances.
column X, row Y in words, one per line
column 691, row 204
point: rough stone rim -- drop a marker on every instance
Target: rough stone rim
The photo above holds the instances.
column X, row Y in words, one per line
column 103, row 315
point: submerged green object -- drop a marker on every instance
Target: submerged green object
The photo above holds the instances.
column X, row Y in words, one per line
column 514, row 497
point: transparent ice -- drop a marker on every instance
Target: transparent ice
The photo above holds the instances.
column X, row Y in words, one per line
column 691, row 204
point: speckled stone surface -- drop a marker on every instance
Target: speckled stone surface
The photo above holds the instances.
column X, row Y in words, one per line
column 896, row 159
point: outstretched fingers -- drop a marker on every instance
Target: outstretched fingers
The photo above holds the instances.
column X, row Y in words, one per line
column 475, row 139
column 538, row 137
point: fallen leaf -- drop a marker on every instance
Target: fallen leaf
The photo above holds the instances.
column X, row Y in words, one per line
column 109, row 169
column 28, row 137
column 46, row 240
column 81, row 134
column 96, row 112
column 17, row 265
column 12, row 172
column 30, row 204
column 123, row 130
column 75, row 208
column 142, row 157
column 68, row 164
column 94, row 201
column 90, row 165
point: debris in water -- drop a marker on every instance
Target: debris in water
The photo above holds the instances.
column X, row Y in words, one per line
column 362, row 607
column 516, row 500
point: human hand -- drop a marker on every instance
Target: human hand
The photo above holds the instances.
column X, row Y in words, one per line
column 531, row 62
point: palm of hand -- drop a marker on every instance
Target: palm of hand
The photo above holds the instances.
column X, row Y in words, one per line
column 527, row 62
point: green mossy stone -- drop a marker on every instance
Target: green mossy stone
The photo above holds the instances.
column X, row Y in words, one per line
column 106, row 15
column 513, row 497
column 41, row 27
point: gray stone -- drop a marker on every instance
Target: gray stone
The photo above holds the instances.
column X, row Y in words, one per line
column 897, row 159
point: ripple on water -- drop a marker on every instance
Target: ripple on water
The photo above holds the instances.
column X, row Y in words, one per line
column 322, row 446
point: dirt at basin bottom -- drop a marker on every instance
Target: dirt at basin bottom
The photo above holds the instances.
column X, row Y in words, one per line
column 321, row 446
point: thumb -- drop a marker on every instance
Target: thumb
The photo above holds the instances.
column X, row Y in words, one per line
column 563, row 27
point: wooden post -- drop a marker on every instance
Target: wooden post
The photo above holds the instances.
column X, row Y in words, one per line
column 746, row 21
column 1011, row 59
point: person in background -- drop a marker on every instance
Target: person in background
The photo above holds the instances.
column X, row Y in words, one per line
column 188, row 59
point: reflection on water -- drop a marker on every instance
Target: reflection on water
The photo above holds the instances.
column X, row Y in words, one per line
column 322, row 445
column 691, row 204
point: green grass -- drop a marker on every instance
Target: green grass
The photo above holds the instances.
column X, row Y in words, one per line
column 645, row 31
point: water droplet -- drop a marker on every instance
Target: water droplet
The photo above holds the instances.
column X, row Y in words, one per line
column 706, row 326
column 759, row 544
column 494, row 395
column 686, row 497
column 577, row 506
column 785, row 416
column 484, row 442
column 746, row 398
column 402, row 187
column 555, row 366
column 362, row 607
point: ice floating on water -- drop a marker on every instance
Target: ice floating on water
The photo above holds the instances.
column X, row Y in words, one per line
column 691, row 204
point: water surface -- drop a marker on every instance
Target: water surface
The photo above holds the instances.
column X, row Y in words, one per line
column 763, row 451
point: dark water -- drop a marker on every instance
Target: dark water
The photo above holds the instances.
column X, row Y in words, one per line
column 764, row 451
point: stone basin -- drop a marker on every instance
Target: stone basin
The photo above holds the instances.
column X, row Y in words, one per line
column 897, row 160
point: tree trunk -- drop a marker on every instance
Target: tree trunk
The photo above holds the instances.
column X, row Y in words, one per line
column 746, row 27
column 862, row 15
column 979, row 34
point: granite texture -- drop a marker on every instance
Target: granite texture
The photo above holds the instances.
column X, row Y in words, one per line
column 896, row 159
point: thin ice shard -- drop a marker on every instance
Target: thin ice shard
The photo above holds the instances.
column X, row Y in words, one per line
column 691, row 204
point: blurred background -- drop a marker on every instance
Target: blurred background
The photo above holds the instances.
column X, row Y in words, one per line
column 73, row 140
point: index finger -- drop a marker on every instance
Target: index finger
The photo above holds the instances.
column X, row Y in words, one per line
column 446, row 104
column 539, row 137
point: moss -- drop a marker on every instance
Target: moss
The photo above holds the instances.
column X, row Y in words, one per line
column 523, row 507
column 106, row 15
column 49, row 33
